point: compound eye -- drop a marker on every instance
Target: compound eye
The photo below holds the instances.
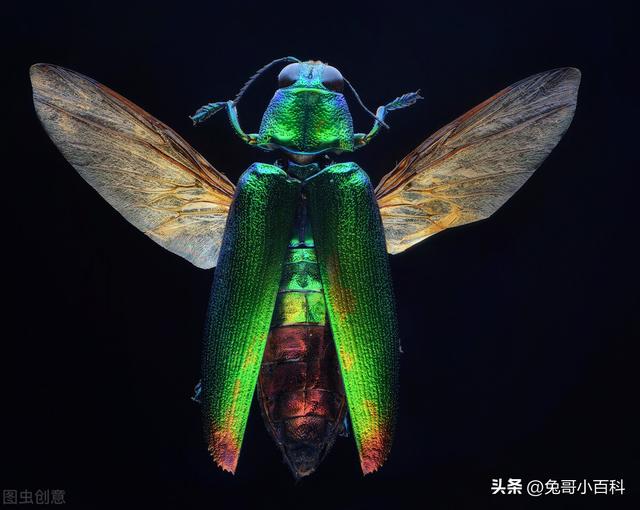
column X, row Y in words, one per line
column 289, row 75
column 332, row 79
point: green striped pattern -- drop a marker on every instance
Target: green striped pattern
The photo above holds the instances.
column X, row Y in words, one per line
column 352, row 256
column 243, row 299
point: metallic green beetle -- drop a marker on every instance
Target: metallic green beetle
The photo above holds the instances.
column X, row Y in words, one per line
column 302, row 304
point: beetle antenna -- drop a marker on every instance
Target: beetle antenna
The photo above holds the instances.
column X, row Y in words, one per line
column 377, row 119
column 258, row 73
column 208, row 110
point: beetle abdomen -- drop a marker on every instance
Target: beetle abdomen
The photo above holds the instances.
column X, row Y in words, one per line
column 300, row 387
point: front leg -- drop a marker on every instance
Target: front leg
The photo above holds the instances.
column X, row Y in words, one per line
column 361, row 139
column 208, row 110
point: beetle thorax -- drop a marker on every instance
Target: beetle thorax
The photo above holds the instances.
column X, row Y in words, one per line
column 307, row 115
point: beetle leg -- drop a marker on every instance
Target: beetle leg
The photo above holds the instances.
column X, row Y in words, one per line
column 197, row 393
column 344, row 426
column 362, row 139
column 232, row 112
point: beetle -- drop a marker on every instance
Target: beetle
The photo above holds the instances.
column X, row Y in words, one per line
column 302, row 310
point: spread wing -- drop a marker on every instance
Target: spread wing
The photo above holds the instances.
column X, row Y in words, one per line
column 148, row 173
column 468, row 169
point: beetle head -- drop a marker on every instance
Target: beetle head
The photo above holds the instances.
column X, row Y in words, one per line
column 308, row 115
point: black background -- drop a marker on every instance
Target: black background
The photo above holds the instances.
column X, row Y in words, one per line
column 519, row 332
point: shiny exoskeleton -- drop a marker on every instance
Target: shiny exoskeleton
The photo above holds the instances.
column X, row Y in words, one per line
column 322, row 305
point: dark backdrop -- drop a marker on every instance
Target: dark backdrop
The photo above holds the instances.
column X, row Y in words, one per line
column 519, row 332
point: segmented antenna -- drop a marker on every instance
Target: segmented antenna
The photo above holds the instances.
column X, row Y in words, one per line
column 206, row 111
column 258, row 73
column 403, row 101
column 210, row 109
column 378, row 119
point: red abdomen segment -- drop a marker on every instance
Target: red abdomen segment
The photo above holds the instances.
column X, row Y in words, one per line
column 300, row 387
